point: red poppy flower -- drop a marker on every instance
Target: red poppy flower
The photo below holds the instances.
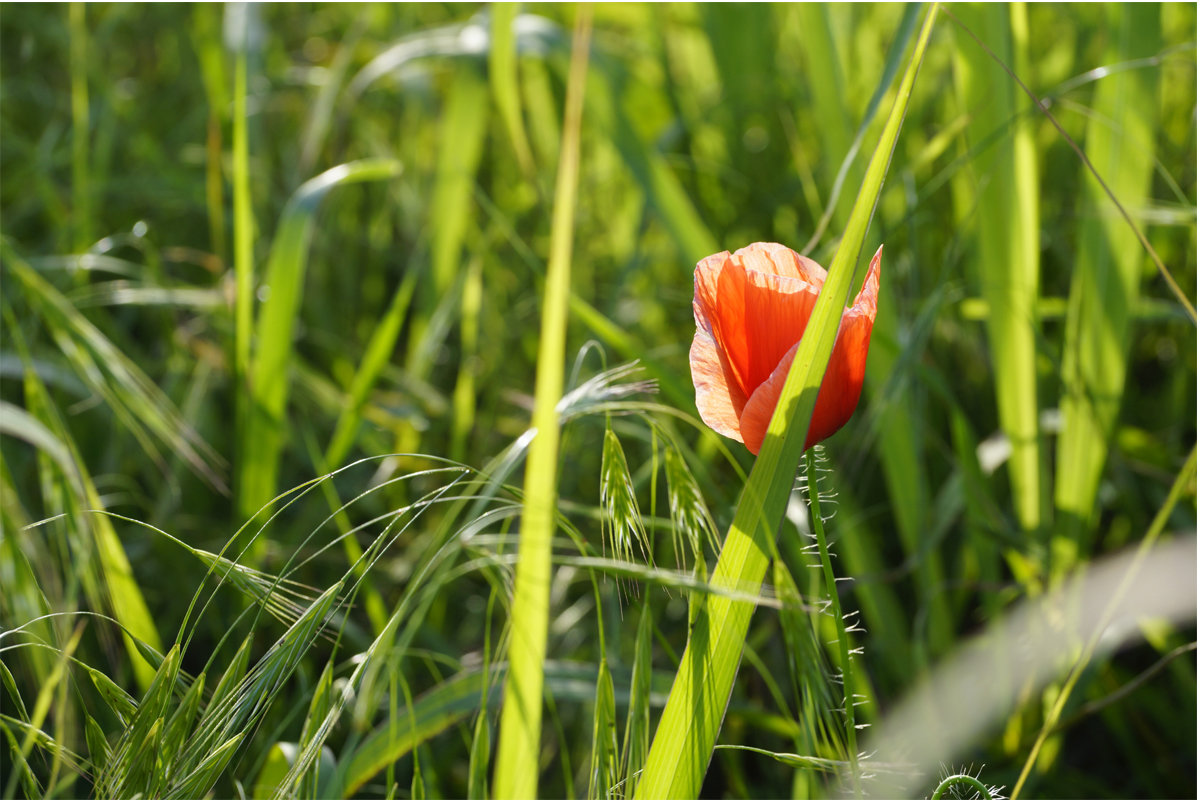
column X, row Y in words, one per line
column 751, row 309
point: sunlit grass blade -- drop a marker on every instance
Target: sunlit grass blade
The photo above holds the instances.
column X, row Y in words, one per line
column 463, row 129
column 1003, row 196
column 517, row 760
column 46, row 698
column 683, row 743
column 1105, row 283
column 244, row 227
column 502, row 74
column 267, row 389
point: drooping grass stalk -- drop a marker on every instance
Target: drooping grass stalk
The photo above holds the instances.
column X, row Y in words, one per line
column 683, row 743
column 520, row 719
column 839, row 621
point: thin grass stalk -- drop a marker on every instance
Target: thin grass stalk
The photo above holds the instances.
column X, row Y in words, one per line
column 243, row 261
column 839, row 621
column 683, row 743
column 207, row 41
column 521, row 715
column 81, row 185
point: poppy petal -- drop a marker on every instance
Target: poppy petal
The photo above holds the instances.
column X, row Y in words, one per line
column 775, row 259
column 718, row 397
column 842, row 384
column 758, row 410
column 754, row 315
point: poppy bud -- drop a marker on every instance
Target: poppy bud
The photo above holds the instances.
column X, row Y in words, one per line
column 751, row 310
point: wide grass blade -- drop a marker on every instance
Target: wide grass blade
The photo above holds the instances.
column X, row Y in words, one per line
column 1002, row 191
column 1105, row 284
column 521, row 714
column 683, row 743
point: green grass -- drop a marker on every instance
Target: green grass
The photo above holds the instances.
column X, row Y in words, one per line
column 358, row 492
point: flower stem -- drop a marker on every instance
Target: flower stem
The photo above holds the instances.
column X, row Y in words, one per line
column 818, row 526
column 962, row 778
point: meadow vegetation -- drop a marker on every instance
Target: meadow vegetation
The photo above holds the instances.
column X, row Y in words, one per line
column 345, row 402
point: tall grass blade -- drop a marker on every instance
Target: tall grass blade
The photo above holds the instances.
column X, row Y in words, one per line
column 683, row 743
column 1004, row 199
column 376, row 356
column 521, row 714
column 463, row 129
column 109, row 582
column 244, row 228
column 1105, row 283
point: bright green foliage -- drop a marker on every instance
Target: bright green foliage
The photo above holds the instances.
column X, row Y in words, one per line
column 276, row 461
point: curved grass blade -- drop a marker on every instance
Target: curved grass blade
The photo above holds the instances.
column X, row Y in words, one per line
column 267, row 385
column 683, row 743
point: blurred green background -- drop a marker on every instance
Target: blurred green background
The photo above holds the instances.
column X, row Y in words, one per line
column 244, row 246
